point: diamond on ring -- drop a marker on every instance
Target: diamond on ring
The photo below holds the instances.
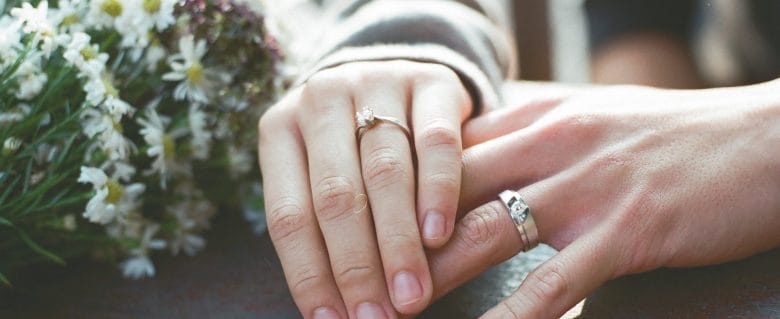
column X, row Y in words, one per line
column 520, row 214
column 365, row 117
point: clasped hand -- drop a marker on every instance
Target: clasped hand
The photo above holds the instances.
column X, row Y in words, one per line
column 619, row 180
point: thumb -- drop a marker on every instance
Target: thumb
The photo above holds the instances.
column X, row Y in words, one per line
column 561, row 282
column 505, row 120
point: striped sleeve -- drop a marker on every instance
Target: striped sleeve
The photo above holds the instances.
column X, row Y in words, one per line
column 470, row 37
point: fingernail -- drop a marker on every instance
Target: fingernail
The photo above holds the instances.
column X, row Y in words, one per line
column 433, row 226
column 326, row 313
column 407, row 288
column 369, row 310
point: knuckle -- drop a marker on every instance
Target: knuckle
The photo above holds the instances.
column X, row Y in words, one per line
column 511, row 307
column 271, row 122
column 438, row 135
column 400, row 241
column 285, row 219
column 334, row 197
column 444, row 181
column 579, row 126
column 480, row 227
column 432, row 72
column 637, row 222
column 323, row 86
column 547, row 283
column 373, row 73
column 306, row 280
column 384, row 167
column 357, row 274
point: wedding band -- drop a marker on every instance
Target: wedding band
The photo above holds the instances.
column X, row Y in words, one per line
column 366, row 119
column 521, row 216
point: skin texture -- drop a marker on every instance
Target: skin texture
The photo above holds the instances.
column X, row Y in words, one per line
column 620, row 180
column 343, row 213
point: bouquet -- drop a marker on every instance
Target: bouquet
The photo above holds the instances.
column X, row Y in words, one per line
column 125, row 124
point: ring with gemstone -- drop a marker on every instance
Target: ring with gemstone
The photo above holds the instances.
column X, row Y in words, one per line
column 366, row 119
column 521, row 216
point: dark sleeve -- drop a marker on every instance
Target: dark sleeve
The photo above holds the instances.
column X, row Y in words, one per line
column 610, row 19
column 458, row 34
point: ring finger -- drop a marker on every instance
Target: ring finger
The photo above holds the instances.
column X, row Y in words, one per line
column 339, row 203
column 388, row 173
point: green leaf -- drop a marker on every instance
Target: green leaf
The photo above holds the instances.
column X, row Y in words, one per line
column 5, row 222
column 4, row 280
column 38, row 249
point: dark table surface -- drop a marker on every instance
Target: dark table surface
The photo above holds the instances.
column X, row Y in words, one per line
column 239, row 276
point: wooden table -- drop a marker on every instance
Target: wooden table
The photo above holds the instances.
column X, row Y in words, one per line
column 239, row 276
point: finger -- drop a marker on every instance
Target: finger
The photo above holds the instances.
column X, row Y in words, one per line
column 562, row 281
column 388, row 173
column 506, row 120
column 292, row 224
column 487, row 235
column 327, row 126
column 523, row 157
column 506, row 162
column 439, row 105
column 483, row 238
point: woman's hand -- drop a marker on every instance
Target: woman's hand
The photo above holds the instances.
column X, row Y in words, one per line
column 343, row 214
column 620, row 180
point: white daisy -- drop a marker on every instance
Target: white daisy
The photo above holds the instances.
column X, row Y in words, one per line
column 35, row 20
column 103, row 13
column 161, row 144
column 68, row 15
column 120, row 170
column 10, row 41
column 109, row 134
column 112, row 199
column 85, row 56
column 139, row 265
column 134, row 27
column 30, row 77
column 14, row 115
column 160, row 12
column 193, row 214
column 101, row 92
column 201, row 137
column 187, row 67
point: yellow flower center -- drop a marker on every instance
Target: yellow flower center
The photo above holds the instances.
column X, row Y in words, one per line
column 112, row 7
column 115, row 191
column 88, row 53
column 117, row 126
column 152, row 6
column 70, row 20
column 110, row 89
column 169, row 146
column 195, row 72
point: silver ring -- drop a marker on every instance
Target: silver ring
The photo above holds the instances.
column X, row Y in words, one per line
column 366, row 119
column 521, row 216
